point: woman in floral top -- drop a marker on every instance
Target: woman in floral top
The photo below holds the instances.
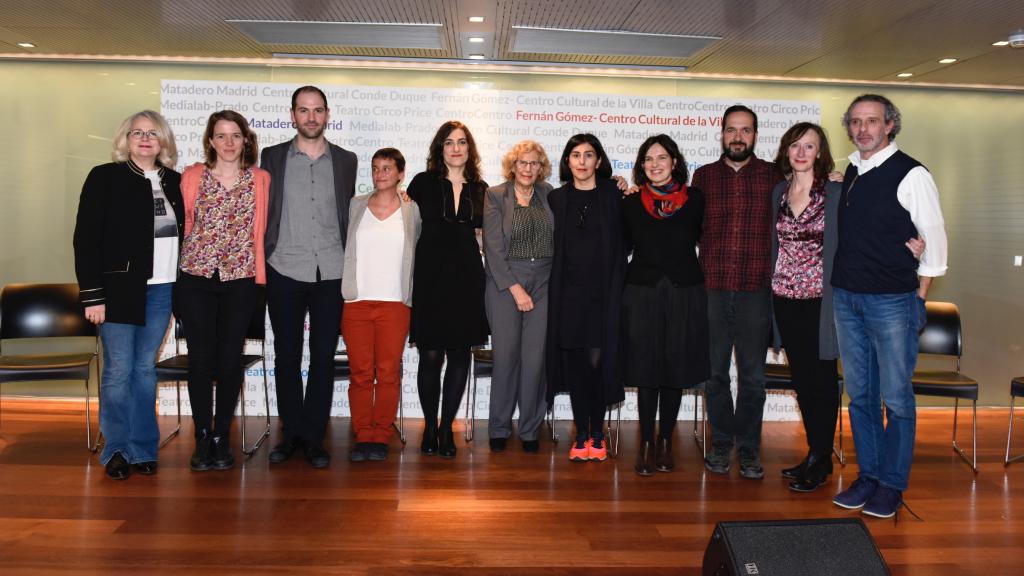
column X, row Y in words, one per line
column 221, row 263
column 804, row 219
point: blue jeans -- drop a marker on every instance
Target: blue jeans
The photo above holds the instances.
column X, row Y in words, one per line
column 128, row 390
column 878, row 344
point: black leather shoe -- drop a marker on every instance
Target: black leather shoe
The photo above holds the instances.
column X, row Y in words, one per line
column 317, row 456
column 429, row 445
column 818, row 469
column 645, row 459
column 145, row 468
column 223, row 459
column 796, row 471
column 531, row 446
column 446, row 443
column 498, row 444
column 664, row 461
column 283, row 451
column 202, row 457
column 118, row 468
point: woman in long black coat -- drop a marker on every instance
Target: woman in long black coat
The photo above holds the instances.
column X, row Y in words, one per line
column 587, row 276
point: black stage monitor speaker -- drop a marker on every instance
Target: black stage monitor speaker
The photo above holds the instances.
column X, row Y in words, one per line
column 829, row 547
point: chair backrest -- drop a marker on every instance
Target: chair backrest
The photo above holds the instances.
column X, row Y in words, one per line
column 42, row 311
column 942, row 335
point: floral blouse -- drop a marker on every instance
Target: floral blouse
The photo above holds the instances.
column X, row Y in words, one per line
column 800, row 267
column 221, row 240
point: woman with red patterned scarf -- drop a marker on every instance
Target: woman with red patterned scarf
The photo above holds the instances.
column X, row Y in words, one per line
column 664, row 305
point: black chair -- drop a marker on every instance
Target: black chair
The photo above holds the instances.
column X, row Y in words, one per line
column 482, row 366
column 779, row 378
column 942, row 336
column 1016, row 389
column 175, row 369
column 47, row 311
column 697, row 391
column 342, row 371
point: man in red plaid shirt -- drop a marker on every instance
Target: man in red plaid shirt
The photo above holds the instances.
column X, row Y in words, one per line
column 735, row 256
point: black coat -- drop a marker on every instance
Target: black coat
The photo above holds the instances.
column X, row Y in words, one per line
column 114, row 238
column 613, row 251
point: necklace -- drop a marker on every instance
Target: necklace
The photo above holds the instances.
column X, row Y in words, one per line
column 524, row 196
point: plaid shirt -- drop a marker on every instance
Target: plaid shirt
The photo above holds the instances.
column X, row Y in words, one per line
column 735, row 247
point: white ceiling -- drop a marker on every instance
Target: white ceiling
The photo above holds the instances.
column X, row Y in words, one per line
column 853, row 40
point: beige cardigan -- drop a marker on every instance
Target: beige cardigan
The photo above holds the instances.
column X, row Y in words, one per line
column 410, row 222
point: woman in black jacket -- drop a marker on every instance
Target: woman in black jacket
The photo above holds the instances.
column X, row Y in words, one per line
column 127, row 235
column 585, row 292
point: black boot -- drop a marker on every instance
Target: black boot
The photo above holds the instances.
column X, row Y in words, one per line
column 429, row 445
column 645, row 459
column 819, row 467
column 446, row 442
column 796, row 471
column 223, row 459
column 202, row 458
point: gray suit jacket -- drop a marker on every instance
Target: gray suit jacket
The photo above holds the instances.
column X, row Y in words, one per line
column 828, row 345
column 275, row 158
column 499, row 204
column 412, row 224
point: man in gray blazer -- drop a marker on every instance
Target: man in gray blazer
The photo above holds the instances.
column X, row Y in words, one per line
column 312, row 181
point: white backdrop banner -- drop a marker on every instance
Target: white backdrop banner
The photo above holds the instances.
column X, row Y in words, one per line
column 366, row 118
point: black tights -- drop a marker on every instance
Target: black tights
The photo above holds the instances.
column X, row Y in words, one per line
column 586, row 391
column 428, row 380
column 648, row 398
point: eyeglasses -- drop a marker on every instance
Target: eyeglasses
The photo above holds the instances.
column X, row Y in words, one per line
column 582, row 213
column 528, row 164
column 141, row 134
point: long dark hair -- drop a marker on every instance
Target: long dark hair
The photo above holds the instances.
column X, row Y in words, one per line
column 604, row 166
column 250, row 146
column 435, row 157
column 679, row 172
column 823, row 164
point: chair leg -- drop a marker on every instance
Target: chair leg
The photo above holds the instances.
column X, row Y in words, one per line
column 699, row 438
column 838, row 450
column 177, row 428
column 250, row 450
column 400, row 427
column 92, row 446
column 550, row 417
column 973, row 460
column 612, row 433
column 1009, row 438
column 470, row 416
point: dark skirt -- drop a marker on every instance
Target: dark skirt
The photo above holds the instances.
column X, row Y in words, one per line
column 666, row 330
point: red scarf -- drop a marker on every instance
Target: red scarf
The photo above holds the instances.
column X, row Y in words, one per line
column 663, row 201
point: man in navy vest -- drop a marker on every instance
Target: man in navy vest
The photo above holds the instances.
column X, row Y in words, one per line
column 880, row 289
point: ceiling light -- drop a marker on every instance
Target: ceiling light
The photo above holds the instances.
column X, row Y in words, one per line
column 476, row 19
column 947, row 60
column 26, row 45
column 476, row 56
column 476, row 39
column 905, row 74
column 1000, row 43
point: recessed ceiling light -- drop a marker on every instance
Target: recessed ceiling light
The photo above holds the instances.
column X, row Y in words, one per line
column 476, row 19
column 476, row 56
column 905, row 74
column 947, row 60
column 1001, row 43
column 476, row 39
column 26, row 45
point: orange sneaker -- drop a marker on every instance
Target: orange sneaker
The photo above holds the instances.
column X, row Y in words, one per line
column 578, row 453
column 598, row 449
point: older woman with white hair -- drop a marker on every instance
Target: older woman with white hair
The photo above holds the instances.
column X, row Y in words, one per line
column 126, row 240
column 518, row 228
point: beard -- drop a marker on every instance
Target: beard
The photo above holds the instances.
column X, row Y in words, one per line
column 737, row 156
column 311, row 134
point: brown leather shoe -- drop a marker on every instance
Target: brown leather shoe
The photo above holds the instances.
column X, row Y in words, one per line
column 664, row 461
column 645, row 459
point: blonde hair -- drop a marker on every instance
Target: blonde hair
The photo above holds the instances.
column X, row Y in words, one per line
column 165, row 136
column 508, row 163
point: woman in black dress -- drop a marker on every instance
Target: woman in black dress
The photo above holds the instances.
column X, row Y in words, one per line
column 664, row 311
column 585, row 292
column 448, row 280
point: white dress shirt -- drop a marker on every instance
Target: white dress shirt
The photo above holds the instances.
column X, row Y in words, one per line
column 917, row 194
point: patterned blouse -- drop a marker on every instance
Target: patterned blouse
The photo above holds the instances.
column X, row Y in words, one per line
column 800, row 267
column 532, row 234
column 221, row 239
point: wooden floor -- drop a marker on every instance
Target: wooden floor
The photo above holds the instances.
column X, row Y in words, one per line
column 509, row 513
